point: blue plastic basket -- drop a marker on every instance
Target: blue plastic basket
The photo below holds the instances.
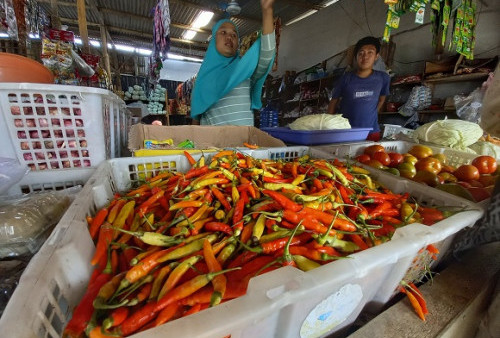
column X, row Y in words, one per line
column 313, row 137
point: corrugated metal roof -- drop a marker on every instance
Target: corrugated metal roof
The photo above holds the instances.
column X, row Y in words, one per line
column 131, row 21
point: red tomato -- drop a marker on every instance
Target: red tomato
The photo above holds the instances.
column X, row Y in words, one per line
column 485, row 164
column 382, row 157
column 487, row 180
column 396, row 159
column 430, row 164
column 448, row 169
column 363, row 158
column 373, row 149
column 467, row 172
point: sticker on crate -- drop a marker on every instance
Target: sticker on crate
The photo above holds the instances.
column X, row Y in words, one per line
column 332, row 311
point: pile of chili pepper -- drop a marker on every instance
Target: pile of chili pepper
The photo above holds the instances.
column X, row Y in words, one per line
column 182, row 242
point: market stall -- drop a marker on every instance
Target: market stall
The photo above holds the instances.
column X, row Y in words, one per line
column 118, row 217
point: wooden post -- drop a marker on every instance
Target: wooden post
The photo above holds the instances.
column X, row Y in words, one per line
column 105, row 54
column 82, row 25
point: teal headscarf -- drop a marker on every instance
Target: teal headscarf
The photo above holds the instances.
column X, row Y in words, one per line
column 219, row 74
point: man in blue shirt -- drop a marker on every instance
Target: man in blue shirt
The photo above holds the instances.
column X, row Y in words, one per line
column 362, row 93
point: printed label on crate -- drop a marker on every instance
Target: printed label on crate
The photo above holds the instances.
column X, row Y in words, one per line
column 332, row 311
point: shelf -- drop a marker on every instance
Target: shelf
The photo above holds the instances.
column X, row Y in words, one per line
column 436, row 111
column 406, row 83
column 315, row 80
column 458, row 78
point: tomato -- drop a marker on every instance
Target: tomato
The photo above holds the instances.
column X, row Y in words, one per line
column 373, row 149
column 479, row 194
column 441, row 157
column 476, row 184
column 382, row 157
column 485, row 164
column 487, row 180
column 420, row 151
column 467, row 172
column 409, row 158
column 447, row 177
column 375, row 164
column 396, row 158
column 430, row 164
column 363, row 158
column 407, row 170
column 427, row 177
column 448, row 169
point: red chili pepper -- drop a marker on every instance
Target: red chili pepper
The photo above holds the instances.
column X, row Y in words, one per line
column 196, row 172
column 276, row 180
column 105, row 238
column 138, row 319
column 239, row 209
column 83, row 312
column 144, row 206
column 317, row 183
column 190, row 158
column 220, row 197
column 358, row 241
column 116, row 317
column 430, row 215
column 250, row 268
column 219, row 226
column 97, row 222
column 344, row 194
column 284, row 201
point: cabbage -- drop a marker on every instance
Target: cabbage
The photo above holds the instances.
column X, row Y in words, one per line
column 456, row 134
column 320, row 122
column 486, row 148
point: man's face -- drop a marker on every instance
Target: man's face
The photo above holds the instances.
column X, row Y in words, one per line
column 366, row 57
column 226, row 40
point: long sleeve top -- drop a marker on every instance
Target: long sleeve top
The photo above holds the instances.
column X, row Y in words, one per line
column 235, row 107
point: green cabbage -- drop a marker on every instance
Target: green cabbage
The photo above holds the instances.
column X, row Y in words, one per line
column 486, row 148
column 456, row 134
column 320, row 122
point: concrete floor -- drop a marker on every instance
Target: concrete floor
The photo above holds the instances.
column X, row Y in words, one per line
column 457, row 299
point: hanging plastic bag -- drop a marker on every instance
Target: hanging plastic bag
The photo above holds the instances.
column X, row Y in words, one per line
column 469, row 106
column 8, row 22
column 83, row 68
column 11, row 172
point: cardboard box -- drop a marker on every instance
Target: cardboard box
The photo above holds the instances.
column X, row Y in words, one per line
column 204, row 138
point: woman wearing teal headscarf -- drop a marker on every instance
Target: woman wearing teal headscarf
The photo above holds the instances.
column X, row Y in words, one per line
column 228, row 86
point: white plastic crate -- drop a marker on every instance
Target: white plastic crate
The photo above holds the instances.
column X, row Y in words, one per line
column 391, row 130
column 43, row 180
column 56, row 127
column 283, row 303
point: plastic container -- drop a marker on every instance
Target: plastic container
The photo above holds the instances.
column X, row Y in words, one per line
column 283, row 303
column 57, row 127
column 17, row 68
column 314, row 137
column 50, row 180
column 390, row 130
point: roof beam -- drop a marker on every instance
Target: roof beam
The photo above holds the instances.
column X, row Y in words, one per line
column 150, row 19
column 214, row 9
column 135, row 33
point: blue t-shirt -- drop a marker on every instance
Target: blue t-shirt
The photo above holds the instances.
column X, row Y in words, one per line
column 360, row 98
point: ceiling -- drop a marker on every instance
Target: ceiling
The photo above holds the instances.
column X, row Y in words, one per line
column 131, row 21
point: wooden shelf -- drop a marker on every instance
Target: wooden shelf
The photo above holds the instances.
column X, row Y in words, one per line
column 406, row 83
column 435, row 111
column 458, row 78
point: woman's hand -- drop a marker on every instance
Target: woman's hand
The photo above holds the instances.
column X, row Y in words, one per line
column 266, row 4
column 267, row 16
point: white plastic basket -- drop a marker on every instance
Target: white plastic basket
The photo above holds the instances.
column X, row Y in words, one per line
column 44, row 180
column 56, row 127
column 391, row 130
column 283, row 303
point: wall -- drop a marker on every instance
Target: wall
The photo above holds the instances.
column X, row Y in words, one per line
column 333, row 29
